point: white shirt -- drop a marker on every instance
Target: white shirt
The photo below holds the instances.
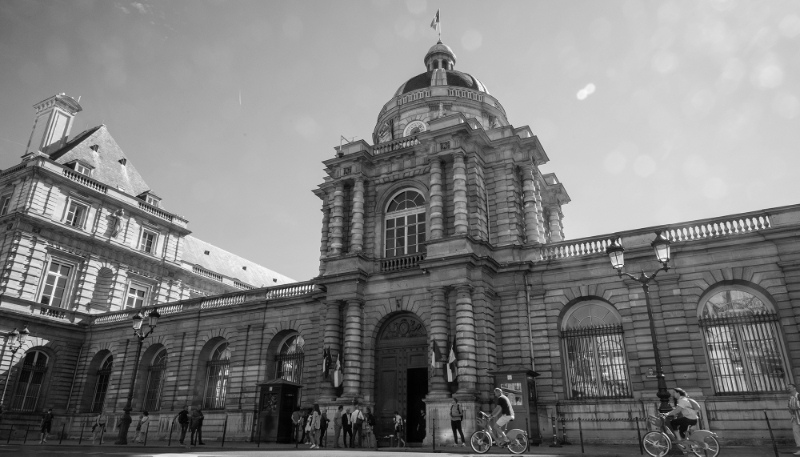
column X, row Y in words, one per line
column 686, row 408
column 355, row 415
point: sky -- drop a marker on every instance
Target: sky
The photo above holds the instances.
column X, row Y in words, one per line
column 651, row 112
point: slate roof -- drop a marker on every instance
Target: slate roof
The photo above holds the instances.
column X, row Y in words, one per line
column 106, row 160
column 228, row 264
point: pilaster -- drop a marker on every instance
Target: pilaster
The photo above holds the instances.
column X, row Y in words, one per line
column 460, row 221
column 353, row 341
column 532, row 232
column 357, row 224
column 332, row 340
column 437, row 217
column 465, row 340
column 337, row 220
column 438, row 334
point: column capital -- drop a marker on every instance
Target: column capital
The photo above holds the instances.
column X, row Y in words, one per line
column 437, row 289
column 459, row 154
column 355, row 301
column 463, row 288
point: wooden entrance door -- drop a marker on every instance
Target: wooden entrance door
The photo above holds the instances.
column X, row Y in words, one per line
column 401, row 346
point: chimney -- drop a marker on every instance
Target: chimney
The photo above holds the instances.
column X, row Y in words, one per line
column 54, row 117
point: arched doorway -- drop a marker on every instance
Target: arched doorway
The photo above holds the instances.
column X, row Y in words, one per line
column 401, row 375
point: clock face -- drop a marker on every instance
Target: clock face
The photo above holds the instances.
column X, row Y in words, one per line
column 415, row 127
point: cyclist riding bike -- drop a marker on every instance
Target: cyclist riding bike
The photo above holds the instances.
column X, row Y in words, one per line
column 504, row 413
column 683, row 407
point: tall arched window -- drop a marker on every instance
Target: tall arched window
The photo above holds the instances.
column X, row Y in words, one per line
column 217, row 376
column 289, row 364
column 596, row 366
column 101, row 385
column 29, row 384
column 743, row 341
column 405, row 224
column 155, row 381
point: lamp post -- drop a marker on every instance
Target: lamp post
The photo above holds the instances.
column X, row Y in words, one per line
column 138, row 320
column 14, row 340
column 661, row 248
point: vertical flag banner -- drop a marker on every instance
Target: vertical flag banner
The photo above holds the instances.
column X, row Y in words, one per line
column 434, row 356
column 452, row 364
column 326, row 362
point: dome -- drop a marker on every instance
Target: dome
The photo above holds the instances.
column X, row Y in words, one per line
column 434, row 78
column 440, row 48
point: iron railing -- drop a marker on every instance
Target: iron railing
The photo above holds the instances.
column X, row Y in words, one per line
column 596, row 363
column 290, row 367
column 217, row 375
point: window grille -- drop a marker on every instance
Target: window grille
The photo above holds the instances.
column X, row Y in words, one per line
column 745, row 354
column 101, row 386
column 30, row 381
column 289, row 363
column 155, row 381
column 596, row 362
column 217, row 378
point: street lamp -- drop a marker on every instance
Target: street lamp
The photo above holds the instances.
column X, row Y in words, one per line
column 14, row 340
column 661, row 249
column 138, row 320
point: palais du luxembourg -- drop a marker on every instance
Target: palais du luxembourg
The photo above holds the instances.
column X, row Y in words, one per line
column 438, row 235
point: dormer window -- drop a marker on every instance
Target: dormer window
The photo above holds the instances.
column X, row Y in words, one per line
column 150, row 199
column 81, row 168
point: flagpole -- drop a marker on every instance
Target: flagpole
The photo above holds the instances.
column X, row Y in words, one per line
column 440, row 24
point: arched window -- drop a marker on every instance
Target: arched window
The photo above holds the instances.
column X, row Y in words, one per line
column 101, row 385
column 743, row 341
column 405, row 224
column 217, row 376
column 30, row 381
column 289, row 363
column 155, row 381
column 596, row 366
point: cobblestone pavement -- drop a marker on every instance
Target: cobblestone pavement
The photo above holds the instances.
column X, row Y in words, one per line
column 238, row 449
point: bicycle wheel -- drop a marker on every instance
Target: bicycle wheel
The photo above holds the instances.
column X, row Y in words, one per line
column 518, row 441
column 656, row 444
column 711, row 449
column 481, row 442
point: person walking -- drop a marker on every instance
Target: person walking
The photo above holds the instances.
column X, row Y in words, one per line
column 297, row 423
column 195, row 422
column 323, row 429
column 357, row 421
column 47, row 422
column 794, row 410
column 183, row 420
column 306, row 428
column 337, row 426
column 315, row 425
column 348, row 427
column 99, row 426
column 399, row 428
column 369, row 430
column 142, row 426
column 456, row 416
column 422, row 425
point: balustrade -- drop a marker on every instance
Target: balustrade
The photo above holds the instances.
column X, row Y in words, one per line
column 401, row 263
column 395, row 145
column 84, row 180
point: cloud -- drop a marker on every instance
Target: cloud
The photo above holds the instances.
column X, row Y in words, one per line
column 140, row 7
column 123, row 9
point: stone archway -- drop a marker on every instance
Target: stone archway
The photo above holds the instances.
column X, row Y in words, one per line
column 401, row 373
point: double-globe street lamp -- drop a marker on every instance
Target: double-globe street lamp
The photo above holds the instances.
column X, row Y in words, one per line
column 15, row 340
column 615, row 253
column 138, row 320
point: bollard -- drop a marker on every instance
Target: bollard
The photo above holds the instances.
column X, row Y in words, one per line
column 564, row 431
column 772, row 437
column 224, row 430
column 61, row 438
column 528, row 431
column 580, row 430
column 639, row 434
column 555, row 432
column 10, row 432
column 171, row 426
column 259, row 434
column 25, row 440
column 434, row 433
column 80, row 438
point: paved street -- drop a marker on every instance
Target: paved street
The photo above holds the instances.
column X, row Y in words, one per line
column 249, row 450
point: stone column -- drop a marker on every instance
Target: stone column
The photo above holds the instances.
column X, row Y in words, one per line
column 323, row 248
column 460, row 194
column 537, row 194
column 532, row 233
column 352, row 349
column 437, row 211
column 357, row 221
column 556, row 230
column 465, row 340
column 331, row 339
column 337, row 219
column 438, row 334
column 513, row 205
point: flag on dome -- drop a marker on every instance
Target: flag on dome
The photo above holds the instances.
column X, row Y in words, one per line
column 337, row 371
column 435, row 21
column 452, row 364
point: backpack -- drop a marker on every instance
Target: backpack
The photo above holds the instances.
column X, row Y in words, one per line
column 695, row 406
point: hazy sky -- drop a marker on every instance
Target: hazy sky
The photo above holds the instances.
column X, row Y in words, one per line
column 651, row 112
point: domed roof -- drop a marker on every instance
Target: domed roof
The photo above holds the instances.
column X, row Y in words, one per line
column 434, row 78
column 442, row 48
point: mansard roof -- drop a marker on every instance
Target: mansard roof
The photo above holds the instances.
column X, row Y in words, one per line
column 96, row 147
column 221, row 261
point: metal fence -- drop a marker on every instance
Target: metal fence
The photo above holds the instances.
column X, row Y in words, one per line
column 596, row 362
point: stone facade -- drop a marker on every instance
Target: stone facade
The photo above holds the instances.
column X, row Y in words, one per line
column 451, row 236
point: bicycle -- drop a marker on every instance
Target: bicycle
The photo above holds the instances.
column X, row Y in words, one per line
column 482, row 440
column 657, row 443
